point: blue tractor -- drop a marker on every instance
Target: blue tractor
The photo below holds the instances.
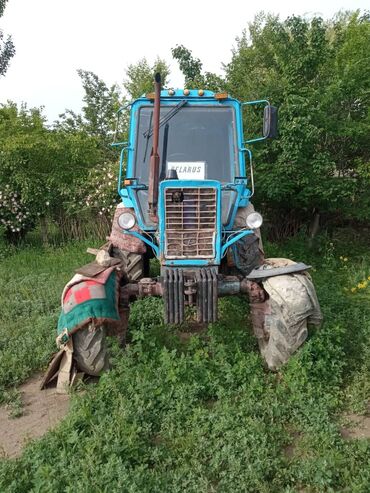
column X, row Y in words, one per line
column 186, row 200
column 186, row 194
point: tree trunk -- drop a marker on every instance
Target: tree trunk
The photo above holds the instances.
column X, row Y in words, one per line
column 314, row 227
column 44, row 231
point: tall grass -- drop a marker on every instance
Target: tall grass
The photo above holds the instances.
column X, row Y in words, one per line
column 203, row 414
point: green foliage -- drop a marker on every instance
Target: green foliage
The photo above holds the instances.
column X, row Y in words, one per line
column 317, row 73
column 192, row 69
column 201, row 413
column 140, row 76
column 101, row 104
column 39, row 168
column 31, row 281
column 7, row 49
column 99, row 192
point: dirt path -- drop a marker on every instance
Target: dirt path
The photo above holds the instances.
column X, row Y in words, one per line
column 358, row 427
column 43, row 409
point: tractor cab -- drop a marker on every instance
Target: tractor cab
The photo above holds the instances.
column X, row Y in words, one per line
column 200, row 138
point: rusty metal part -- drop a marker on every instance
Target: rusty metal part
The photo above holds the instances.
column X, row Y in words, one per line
column 147, row 286
column 200, row 287
column 207, row 295
column 190, row 291
column 263, row 273
column 191, row 222
column 154, row 157
column 226, row 285
column 119, row 239
column 254, row 290
column 259, row 308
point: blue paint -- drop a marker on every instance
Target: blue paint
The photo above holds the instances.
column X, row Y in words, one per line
column 258, row 102
column 121, row 159
column 162, row 220
column 234, row 239
column 144, row 239
column 239, row 185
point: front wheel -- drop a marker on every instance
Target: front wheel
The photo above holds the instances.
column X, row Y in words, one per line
column 133, row 264
column 281, row 309
column 90, row 350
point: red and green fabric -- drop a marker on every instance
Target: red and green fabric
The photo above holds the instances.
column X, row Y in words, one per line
column 90, row 300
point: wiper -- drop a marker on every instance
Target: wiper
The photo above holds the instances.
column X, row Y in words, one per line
column 147, row 136
column 148, row 133
column 162, row 175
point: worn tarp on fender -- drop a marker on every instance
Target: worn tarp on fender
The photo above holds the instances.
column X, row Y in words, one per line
column 86, row 300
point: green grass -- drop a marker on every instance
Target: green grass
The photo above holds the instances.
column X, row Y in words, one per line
column 31, row 282
column 202, row 415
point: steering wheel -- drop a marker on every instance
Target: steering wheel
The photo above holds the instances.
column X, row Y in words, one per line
column 177, row 155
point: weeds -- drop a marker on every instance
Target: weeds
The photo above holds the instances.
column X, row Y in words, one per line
column 204, row 414
column 13, row 400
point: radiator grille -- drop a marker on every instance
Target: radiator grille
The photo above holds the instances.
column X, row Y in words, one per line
column 190, row 215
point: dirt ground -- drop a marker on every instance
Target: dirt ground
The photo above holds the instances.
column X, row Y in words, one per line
column 358, row 427
column 42, row 410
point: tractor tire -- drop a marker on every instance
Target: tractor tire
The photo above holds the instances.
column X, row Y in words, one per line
column 133, row 263
column 90, row 350
column 281, row 309
column 248, row 254
column 283, row 341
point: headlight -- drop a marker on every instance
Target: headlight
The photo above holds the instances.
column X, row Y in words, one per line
column 254, row 220
column 126, row 220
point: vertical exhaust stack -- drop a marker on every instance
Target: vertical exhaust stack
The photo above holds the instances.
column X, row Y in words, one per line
column 154, row 157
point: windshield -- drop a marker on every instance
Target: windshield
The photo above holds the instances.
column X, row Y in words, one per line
column 198, row 141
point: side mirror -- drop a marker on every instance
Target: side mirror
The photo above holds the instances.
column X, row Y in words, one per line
column 270, row 122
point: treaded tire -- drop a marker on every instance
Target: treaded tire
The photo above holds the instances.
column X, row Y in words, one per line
column 249, row 253
column 133, row 263
column 90, row 350
column 282, row 344
column 281, row 311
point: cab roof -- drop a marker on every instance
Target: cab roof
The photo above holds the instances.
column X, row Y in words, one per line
column 187, row 94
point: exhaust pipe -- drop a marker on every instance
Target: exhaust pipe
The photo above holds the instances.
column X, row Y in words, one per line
column 154, row 156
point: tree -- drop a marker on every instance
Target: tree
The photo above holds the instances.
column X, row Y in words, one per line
column 7, row 49
column 101, row 104
column 317, row 73
column 140, row 77
column 41, row 170
column 192, row 69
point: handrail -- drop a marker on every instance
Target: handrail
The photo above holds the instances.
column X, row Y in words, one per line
column 120, row 166
column 235, row 239
column 244, row 149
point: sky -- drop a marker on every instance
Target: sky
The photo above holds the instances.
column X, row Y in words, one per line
column 55, row 38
